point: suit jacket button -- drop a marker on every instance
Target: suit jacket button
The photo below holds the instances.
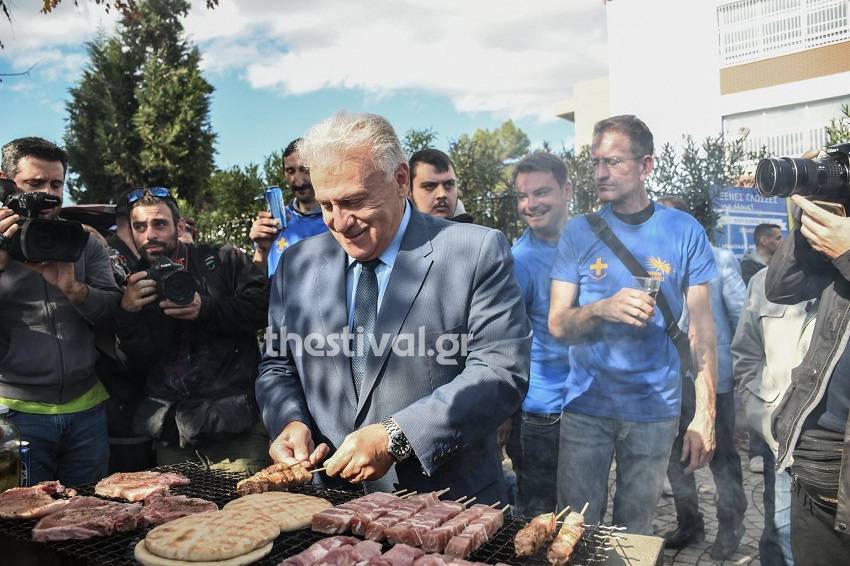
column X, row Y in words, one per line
column 842, row 526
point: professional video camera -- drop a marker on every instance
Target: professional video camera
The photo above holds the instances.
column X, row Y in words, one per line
column 172, row 281
column 827, row 179
column 39, row 239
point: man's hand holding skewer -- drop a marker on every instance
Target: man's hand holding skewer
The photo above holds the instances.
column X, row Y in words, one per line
column 294, row 445
column 362, row 456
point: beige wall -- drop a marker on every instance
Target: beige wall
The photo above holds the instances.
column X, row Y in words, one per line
column 589, row 104
column 819, row 62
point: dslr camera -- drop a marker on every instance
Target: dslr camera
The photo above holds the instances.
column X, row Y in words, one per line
column 39, row 239
column 826, row 181
column 173, row 283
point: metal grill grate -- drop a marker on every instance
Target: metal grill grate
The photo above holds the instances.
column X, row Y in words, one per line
column 219, row 487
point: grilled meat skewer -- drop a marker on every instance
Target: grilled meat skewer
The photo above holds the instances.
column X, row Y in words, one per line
column 564, row 544
column 534, row 535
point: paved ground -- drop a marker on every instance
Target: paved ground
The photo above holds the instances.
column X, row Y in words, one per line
column 665, row 519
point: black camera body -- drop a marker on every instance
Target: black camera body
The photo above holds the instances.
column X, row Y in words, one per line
column 173, row 283
column 825, row 179
column 39, row 239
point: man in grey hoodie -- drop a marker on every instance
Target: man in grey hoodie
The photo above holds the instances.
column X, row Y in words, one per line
column 48, row 313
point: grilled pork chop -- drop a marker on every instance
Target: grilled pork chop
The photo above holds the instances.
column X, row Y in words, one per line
column 34, row 502
column 86, row 517
column 135, row 486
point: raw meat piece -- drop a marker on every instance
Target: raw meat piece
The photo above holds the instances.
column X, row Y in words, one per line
column 34, row 502
column 135, row 486
column 403, row 555
column 160, row 508
column 86, row 517
column 317, row 551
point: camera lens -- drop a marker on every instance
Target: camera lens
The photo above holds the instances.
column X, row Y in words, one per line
column 776, row 177
column 178, row 287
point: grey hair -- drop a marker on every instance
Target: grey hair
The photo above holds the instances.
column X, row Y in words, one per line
column 345, row 135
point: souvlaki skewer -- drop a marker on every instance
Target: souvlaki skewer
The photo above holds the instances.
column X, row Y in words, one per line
column 537, row 533
column 564, row 544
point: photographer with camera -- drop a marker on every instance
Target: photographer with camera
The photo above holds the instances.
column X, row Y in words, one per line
column 47, row 319
column 811, row 423
column 189, row 317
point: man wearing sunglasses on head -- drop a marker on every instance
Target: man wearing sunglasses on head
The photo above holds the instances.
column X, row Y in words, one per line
column 47, row 343
column 190, row 316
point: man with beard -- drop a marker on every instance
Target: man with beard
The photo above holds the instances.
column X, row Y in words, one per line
column 199, row 353
column 303, row 215
column 433, row 185
column 47, row 342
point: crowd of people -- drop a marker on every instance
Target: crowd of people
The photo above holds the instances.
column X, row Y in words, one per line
column 405, row 346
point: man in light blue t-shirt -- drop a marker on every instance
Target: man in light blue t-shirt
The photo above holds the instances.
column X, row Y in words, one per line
column 623, row 395
column 303, row 215
column 543, row 192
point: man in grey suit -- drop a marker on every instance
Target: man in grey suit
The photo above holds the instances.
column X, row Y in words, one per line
column 448, row 360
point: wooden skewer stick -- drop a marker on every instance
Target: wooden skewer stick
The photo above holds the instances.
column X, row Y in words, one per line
column 399, row 492
column 470, row 502
column 460, row 500
column 494, row 505
column 322, row 469
column 505, row 508
column 411, row 494
column 584, row 509
column 442, row 492
column 562, row 513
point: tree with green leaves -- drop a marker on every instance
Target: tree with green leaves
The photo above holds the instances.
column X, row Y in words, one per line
column 698, row 172
column 140, row 114
column 416, row 139
column 838, row 129
column 483, row 167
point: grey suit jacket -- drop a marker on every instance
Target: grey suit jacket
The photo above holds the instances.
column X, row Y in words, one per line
column 448, row 278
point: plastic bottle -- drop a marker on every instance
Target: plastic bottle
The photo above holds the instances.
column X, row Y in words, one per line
column 10, row 455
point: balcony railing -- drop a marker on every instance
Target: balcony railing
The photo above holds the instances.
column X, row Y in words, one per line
column 751, row 30
column 791, row 143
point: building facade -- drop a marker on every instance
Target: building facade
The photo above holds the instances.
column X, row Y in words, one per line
column 776, row 69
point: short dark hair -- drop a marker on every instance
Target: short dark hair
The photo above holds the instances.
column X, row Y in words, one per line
column 150, row 200
column 292, row 147
column 38, row 148
column 627, row 124
column 433, row 157
column 764, row 230
column 674, row 201
column 544, row 162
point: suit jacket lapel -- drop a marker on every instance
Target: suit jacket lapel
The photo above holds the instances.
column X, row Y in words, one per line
column 333, row 306
column 409, row 270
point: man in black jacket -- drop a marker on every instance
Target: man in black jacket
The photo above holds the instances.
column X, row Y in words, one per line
column 811, row 423
column 200, row 357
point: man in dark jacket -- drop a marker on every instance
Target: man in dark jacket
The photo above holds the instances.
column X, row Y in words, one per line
column 200, row 354
column 767, row 238
column 811, row 423
column 47, row 343
column 433, row 186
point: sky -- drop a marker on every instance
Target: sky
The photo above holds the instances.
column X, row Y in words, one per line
column 279, row 66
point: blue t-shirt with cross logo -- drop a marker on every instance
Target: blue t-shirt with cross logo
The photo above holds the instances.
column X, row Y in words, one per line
column 621, row 371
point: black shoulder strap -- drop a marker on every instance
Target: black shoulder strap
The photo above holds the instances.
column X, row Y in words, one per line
column 679, row 338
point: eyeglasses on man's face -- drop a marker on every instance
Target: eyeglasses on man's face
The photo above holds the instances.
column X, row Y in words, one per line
column 611, row 162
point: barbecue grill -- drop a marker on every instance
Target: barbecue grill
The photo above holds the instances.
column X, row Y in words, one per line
column 218, row 486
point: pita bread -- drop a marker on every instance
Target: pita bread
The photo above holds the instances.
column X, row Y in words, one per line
column 144, row 557
column 212, row 536
column 291, row 511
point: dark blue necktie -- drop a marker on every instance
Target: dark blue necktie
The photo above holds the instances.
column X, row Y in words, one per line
column 365, row 314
